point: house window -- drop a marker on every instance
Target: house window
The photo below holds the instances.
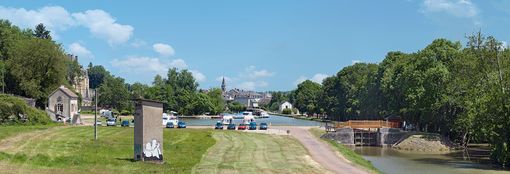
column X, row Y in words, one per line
column 60, row 108
column 72, row 107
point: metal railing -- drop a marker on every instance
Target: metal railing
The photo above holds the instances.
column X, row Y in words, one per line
column 356, row 124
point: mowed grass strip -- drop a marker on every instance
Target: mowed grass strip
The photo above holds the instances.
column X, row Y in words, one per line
column 73, row 150
column 346, row 152
column 240, row 152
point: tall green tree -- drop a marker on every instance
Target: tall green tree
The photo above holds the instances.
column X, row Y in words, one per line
column 97, row 75
column 113, row 93
column 306, row 97
column 36, row 67
column 216, row 99
column 41, row 32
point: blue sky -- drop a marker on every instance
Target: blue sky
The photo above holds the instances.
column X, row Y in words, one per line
column 256, row 45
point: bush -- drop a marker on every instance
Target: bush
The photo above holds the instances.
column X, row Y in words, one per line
column 14, row 110
column 287, row 111
column 125, row 112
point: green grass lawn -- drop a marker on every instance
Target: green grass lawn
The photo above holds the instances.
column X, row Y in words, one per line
column 348, row 153
column 71, row 149
column 67, row 149
column 238, row 152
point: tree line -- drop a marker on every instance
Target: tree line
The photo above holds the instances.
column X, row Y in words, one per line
column 32, row 64
column 457, row 91
column 178, row 92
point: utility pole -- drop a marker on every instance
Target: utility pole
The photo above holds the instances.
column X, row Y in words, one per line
column 95, row 115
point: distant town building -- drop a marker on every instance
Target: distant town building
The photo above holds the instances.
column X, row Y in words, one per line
column 63, row 104
column 81, row 84
column 250, row 99
column 285, row 105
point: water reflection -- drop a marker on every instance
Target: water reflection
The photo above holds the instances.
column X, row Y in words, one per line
column 388, row 160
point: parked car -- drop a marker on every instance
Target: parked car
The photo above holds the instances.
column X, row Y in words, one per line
column 231, row 126
column 111, row 122
column 124, row 123
column 218, row 125
column 263, row 126
column 171, row 125
column 181, row 124
column 241, row 126
column 253, row 126
column 98, row 123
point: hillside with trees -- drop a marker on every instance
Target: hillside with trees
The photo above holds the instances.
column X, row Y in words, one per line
column 458, row 91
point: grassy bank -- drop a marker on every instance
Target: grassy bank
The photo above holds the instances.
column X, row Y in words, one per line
column 348, row 153
column 71, row 149
column 239, row 152
column 67, row 149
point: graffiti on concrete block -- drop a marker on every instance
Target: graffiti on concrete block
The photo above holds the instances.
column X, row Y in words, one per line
column 152, row 151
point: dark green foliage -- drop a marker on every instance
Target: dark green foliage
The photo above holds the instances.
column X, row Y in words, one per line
column 14, row 110
column 33, row 64
column 287, row 111
column 306, row 97
column 41, row 32
column 236, row 107
column 113, row 93
column 458, row 92
column 97, row 74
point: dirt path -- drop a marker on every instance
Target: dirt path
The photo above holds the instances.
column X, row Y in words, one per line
column 322, row 152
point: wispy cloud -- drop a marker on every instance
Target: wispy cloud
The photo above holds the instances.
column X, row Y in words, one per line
column 317, row 78
column 152, row 66
column 457, row 8
column 57, row 19
column 251, row 78
column 164, row 50
column 80, row 50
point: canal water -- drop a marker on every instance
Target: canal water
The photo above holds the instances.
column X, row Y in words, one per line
column 272, row 120
column 391, row 161
column 400, row 162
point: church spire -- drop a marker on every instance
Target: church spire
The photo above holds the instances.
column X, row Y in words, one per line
column 223, row 85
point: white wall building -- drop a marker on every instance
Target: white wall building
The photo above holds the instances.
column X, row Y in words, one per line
column 63, row 102
column 285, row 105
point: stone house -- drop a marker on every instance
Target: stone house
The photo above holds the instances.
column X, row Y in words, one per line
column 285, row 105
column 63, row 103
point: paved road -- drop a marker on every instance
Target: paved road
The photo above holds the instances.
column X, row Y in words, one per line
column 322, row 152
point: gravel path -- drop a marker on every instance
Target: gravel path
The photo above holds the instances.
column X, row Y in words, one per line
column 322, row 152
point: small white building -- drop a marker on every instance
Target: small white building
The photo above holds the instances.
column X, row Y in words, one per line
column 285, row 105
column 63, row 103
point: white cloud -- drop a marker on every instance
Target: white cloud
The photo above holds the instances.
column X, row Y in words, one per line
column 80, row 50
column 300, row 79
column 56, row 18
column 138, row 43
column 198, row 75
column 163, row 49
column 317, row 78
column 457, row 8
column 355, row 61
column 141, row 64
column 504, row 44
column 251, row 78
column 154, row 65
column 252, row 85
column 252, row 73
column 102, row 25
column 179, row 64
column 227, row 79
